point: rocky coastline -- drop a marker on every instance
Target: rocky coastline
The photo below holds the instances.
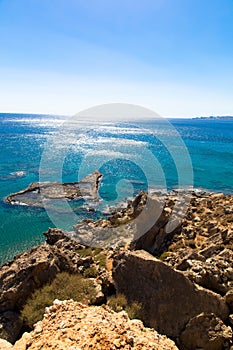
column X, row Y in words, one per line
column 181, row 278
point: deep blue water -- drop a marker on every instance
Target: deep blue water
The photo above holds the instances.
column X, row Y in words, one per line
column 130, row 156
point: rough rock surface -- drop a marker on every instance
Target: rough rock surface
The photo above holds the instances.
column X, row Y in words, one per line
column 169, row 298
column 203, row 246
column 38, row 194
column 10, row 325
column 69, row 325
column 5, row 345
column 125, row 226
column 207, row 332
column 19, row 277
column 31, row 270
column 197, row 251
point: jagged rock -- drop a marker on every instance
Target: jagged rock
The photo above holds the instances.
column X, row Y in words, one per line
column 207, row 332
column 38, row 194
column 39, row 265
column 214, row 273
column 231, row 319
column 229, row 299
column 69, row 325
column 10, row 326
column 29, row 270
column 53, row 235
column 200, row 246
column 114, row 231
column 5, row 345
column 131, row 226
column 99, row 297
column 169, row 299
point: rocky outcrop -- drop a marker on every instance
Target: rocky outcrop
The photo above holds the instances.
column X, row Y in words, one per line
column 190, row 283
column 31, row 270
column 114, row 231
column 207, row 332
column 203, row 247
column 39, row 194
column 69, row 325
column 139, row 225
column 148, row 222
column 169, row 299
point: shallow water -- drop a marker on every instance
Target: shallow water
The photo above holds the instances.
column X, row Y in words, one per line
column 131, row 157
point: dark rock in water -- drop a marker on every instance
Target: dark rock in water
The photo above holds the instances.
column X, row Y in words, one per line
column 38, row 194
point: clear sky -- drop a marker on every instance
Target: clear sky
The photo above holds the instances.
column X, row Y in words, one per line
column 61, row 56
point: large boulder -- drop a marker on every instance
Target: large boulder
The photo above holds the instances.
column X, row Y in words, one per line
column 207, row 332
column 19, row 277
column 31, row 270
column 169, row 299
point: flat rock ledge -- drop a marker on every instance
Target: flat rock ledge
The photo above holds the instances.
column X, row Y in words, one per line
column 38, row 194
column 68, row 325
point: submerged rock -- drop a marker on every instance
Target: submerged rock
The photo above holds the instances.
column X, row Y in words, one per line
column 39, row 194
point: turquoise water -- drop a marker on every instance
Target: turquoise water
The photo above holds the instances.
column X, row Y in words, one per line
column 131, row 158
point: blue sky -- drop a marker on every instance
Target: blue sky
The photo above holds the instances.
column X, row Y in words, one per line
column 61, row 56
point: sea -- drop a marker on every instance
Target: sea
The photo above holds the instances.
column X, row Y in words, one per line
column 132, row 156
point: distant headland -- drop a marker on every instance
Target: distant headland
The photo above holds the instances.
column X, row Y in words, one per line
column 225, row 117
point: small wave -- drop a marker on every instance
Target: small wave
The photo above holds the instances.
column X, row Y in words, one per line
column 19, row 173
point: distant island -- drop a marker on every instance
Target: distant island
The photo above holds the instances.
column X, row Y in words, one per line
column 227, row 117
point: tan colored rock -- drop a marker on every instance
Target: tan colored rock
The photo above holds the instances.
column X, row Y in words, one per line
column 21, row 276
column 5, row 345
column 69, row 325
column 37, row 266
column 24, row 342
column 207, row 332
column 169, row 298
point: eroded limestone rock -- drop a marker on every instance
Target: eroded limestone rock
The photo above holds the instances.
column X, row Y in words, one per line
column 168, row 297
column 207, row 332
column 68, row 325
